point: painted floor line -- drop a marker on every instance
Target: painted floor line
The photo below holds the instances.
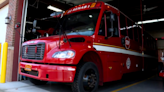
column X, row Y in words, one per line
column 130, row 85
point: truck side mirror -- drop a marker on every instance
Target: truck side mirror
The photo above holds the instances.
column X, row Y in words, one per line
column 110, row 30
column 55, row 14
column 112, row 16
column 34, row 23
column 34, row 30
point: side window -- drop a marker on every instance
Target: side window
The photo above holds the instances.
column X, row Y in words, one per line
column 123, row 25
column 151, row 42
column 130, row 29
column 115, row 24
column 102, row 27
column 140, row 35
column 108, row 22
column 136, row 34
column 145, row 39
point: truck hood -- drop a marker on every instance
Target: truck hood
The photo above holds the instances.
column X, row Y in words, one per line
column 51, row 45
column 53, row 41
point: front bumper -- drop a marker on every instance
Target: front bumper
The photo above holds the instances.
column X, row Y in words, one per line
column 161, row 74
column 55, row 73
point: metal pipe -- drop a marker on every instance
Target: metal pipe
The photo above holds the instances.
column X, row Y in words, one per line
column 142, row 23
column 22, row 31
column 142, row 35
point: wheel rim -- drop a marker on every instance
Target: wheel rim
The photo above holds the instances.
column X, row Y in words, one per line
column 89, row 80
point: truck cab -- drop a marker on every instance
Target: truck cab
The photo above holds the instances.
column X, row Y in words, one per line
column 67, row 55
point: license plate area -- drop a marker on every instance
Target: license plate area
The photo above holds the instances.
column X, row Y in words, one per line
column 28, row 67
column 32, row 72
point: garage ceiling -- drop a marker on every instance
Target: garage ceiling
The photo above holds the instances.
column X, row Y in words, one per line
column 151, row 9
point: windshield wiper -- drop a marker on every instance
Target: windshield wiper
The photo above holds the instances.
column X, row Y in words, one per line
column 64, row 34
column 74, row 32
column 77, row 33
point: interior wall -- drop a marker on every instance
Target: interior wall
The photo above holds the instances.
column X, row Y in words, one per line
column 158, row 34
column 160, row 43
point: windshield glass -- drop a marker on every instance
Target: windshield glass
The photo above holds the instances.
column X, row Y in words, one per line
column 80, row 23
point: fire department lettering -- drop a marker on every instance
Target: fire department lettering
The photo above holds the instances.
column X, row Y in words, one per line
column 78, row 8
column 127, row 42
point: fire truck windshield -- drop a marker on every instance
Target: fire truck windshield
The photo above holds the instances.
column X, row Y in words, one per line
column 80, row 23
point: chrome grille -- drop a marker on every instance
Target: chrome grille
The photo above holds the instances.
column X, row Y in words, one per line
column 33, row 51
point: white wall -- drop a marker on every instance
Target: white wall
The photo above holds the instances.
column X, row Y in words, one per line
column 3, row 14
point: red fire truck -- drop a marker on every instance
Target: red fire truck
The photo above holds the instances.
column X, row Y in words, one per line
column 161, row 74
column 161, row 68
column 93, row 43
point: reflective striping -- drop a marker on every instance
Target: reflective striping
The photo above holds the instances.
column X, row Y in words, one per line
column 108, row 45
column 118, row 50
column 112, row 46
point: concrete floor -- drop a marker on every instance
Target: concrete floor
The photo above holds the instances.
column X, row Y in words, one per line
column 137, row 82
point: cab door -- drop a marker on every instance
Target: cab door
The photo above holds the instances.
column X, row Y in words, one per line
column 99, row 46
column 113, row 41
column 107, row 40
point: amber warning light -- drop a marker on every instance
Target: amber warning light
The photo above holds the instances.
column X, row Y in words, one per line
column 95, row 5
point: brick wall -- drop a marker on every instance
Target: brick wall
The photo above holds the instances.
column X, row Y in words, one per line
column 9, row 64
column 10, row 35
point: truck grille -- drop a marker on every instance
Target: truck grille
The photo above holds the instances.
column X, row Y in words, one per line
column 33, row 51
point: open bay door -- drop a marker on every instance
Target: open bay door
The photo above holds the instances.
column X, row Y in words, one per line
column 37, row 21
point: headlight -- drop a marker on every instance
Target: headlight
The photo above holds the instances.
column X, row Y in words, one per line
column 64, row 54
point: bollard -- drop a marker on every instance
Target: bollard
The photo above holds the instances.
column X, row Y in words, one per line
column 0, row 52
column 4, row 63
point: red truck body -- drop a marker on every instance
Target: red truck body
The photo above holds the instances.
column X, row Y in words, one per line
column 112, row 58
column 161, row 74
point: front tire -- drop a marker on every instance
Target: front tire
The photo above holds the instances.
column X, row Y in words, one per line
column 37, row 82
column 86, row 78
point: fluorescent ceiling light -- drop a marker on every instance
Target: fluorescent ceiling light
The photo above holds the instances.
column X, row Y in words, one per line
column 54, row 8
column 161, row 19
column 150, row 21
